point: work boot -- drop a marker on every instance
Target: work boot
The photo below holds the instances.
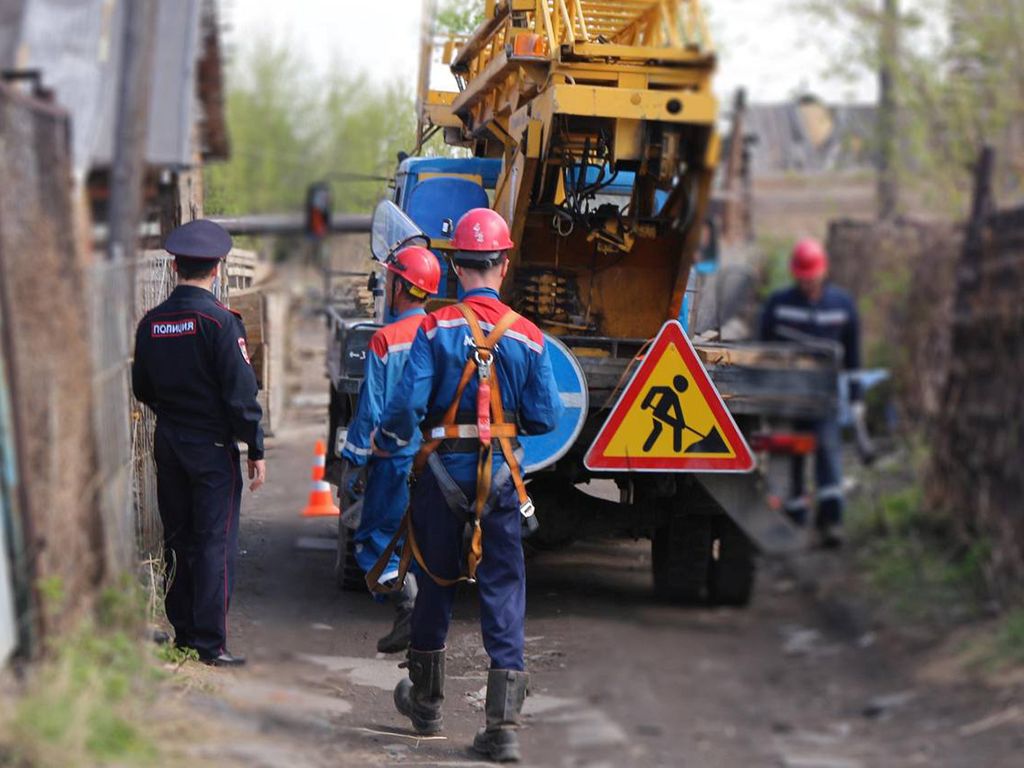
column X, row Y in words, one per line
column 420, row 695
column 832, row 536
column 506, row 690
column 397, row 640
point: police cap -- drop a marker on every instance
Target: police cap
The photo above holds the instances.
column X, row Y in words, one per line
column 199, row 239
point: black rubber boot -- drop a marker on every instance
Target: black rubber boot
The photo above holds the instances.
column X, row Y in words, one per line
column 397, row 640
column 499, row 741
column 420, row 696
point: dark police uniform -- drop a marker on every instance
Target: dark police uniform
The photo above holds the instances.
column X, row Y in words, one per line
column 192, row 368
column 790, row 316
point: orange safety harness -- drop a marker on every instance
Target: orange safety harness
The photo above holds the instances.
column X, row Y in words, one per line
column 490, row 427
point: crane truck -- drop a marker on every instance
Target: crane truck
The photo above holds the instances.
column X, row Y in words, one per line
column 590, row 125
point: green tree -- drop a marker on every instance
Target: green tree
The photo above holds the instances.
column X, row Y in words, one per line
column 267, row 105
column 459, row 17
column 289, row 128
column 958, row 79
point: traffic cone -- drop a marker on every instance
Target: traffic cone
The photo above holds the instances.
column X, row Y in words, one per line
column 321, row 503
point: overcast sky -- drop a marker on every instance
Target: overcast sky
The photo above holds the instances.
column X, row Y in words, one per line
column 763, row 43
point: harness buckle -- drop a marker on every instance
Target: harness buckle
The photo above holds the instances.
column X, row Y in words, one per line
column 527, row 509
column 483, row 361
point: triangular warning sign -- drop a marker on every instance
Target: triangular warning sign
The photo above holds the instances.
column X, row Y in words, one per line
column 670, row 417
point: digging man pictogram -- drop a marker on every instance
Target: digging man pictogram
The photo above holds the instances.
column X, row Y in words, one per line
column 666, row 409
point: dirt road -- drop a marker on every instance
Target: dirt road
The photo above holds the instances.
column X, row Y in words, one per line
column 617, row 679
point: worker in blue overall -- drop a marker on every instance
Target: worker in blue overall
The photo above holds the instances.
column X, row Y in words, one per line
column 478, row 373
column 192, row 369
column 814, row 310
column 413, row 274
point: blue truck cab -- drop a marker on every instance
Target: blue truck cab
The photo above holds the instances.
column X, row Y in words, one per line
column 433, row 190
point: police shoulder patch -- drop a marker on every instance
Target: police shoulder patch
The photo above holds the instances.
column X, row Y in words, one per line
column 244, row 350
column 172, row 327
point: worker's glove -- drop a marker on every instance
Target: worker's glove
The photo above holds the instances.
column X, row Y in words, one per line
column 353, row 480
column 352, row 490
column 865, row 445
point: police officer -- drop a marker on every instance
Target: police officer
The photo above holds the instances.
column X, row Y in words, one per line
column 192, row 368
column 451, row 375
column 814, row 309
column 413, row 274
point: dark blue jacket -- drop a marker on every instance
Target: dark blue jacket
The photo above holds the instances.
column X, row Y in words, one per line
column 790, row 316
column 192, row 368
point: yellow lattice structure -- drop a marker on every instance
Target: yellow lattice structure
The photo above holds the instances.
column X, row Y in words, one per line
column 562, row 88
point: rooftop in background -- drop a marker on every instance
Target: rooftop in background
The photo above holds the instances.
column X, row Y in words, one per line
column 77, row 48
column 809, row 136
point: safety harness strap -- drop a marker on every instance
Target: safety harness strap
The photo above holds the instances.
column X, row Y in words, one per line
column 491, row 425
column 499, row 429
column 490, row 409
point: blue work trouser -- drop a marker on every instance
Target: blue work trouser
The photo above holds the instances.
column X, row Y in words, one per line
column 501, row 575
column 828, row 475
column 199, row 492
column 384, row 504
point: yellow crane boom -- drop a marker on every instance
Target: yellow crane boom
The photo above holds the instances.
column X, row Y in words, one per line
column 574, row 96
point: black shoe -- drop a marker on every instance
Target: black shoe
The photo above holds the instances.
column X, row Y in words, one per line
column 223, row 660
column 160, row 637
column 832, row 536
column 397, row 640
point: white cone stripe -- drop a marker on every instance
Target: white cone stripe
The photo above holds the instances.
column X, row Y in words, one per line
column 320, row 461
column 320, row 485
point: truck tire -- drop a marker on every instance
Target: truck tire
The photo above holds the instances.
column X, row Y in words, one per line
column 347, row 574
column 732, row 567
column 681, row 558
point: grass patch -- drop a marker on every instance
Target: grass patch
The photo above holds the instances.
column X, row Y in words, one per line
column 1009, row 642
column 85, row 703
column 910, row 559
column 774, row 263
column 169, row 653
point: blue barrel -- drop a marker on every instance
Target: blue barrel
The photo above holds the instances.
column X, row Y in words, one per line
column 544, row 450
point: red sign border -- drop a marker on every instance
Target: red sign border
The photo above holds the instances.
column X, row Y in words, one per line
column 670, row 332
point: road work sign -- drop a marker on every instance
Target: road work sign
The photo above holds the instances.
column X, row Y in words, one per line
column 670, row 417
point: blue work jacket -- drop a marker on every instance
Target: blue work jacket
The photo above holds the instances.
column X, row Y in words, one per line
column 436, row 363
column 385, row 360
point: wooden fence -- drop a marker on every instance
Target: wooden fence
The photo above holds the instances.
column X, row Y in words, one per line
column 980, row 432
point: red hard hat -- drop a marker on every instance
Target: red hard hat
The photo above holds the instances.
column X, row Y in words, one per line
column 809, row 260
column 481, row 229
column 417, row 266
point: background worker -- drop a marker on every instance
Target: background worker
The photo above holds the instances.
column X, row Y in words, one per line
column 192, row 368
column 814, row 309
column 429, row 386
column 413, row 274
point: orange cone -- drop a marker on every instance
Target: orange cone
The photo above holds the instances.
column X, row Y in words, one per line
column 321, row 503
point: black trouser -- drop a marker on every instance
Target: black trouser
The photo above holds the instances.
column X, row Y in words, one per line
column 199, row 489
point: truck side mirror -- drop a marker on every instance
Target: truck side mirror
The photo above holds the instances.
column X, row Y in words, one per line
column 447, row 227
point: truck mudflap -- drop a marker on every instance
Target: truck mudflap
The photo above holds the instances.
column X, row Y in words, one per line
column 744, row 498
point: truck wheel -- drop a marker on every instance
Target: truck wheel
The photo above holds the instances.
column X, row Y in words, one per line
column 347, row 574
column 732, row 565
column 680, row 559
